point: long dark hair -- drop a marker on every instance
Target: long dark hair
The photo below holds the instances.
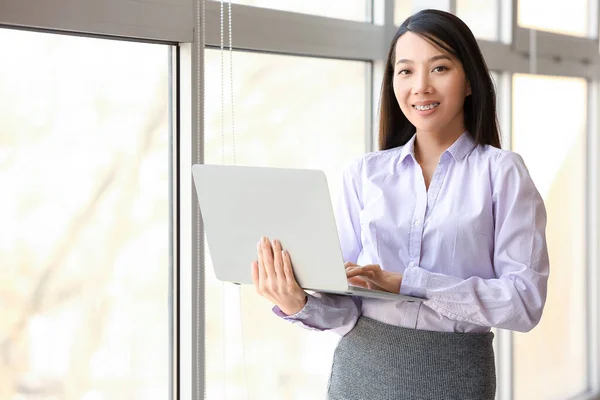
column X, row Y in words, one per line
column 450, row 33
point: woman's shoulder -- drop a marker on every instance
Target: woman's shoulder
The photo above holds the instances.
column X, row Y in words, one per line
column 506, row 166
column 498, row 158
column 382, row 156
column 372, row 159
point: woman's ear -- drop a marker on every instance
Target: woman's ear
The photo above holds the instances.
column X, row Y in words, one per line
column 468, row 89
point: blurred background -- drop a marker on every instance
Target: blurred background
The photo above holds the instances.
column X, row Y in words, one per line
column 103, row 107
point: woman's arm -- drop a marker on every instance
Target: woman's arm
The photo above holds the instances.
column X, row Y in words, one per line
column 326, row 312
column 516, row 298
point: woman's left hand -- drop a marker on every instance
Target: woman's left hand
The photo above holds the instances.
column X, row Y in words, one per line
column 374, row 277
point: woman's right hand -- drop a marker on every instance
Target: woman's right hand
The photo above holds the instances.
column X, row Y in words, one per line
column 274, row 279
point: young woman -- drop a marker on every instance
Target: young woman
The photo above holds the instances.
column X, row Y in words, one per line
column 440, row 212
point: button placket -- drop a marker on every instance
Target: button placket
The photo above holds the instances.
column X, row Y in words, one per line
column 416, row 229
column 434, row 188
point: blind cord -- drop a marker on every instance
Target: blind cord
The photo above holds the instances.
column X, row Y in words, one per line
column 238, row 287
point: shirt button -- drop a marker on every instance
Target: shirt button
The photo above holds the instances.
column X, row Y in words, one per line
column 411, row 263
column 417, row 223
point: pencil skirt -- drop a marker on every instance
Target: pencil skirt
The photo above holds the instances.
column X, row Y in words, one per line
column 377, row 361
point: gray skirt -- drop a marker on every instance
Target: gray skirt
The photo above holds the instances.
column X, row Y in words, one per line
column 377, row 361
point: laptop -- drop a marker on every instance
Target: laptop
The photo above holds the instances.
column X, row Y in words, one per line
column 240, row 204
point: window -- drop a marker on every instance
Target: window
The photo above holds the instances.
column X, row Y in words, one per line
column 84, row 238
column 289, row 112
column 354, row 10
column 403, row 10
column 559, row 16
column 481, row 17
column 554, row 149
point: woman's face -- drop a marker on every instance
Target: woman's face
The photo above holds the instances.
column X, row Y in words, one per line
column 430, row 85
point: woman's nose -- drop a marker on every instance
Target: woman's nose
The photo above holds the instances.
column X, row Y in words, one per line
column 422, row 84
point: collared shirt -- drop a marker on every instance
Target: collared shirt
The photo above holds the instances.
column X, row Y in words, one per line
column 473, row 243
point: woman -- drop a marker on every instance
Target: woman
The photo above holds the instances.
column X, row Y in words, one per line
column 440, row 212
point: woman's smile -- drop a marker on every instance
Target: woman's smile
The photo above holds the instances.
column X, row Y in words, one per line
column 425, row 109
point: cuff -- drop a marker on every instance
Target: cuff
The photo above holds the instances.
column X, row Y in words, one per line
column 301, row 317
column 414, row 282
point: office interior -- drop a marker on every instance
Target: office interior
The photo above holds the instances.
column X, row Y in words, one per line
column 107, row 290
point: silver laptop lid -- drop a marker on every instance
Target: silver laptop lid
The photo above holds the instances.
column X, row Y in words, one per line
column 240, row 204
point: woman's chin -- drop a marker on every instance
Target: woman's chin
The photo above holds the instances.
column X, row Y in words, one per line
column 428, row 126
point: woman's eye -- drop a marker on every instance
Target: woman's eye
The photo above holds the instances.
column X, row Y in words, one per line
column 440, row 69
column 403, row 72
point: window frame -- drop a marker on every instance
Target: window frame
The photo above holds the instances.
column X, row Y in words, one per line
column 173, row 60
column 191, row 25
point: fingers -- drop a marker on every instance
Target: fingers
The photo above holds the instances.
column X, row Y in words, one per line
column 373, row 286
column 283, row 263
column 267, row 255
column 372, row 268
column 271, row 264
column 383, row 280
column 349, row 265
column 358, row 271
column 364, row 276
column 277, row 258
column 288, row 271
column 357, row 281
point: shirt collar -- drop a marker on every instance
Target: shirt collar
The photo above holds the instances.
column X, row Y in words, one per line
column 408, row 149
column 458, row 150
column 462, row 146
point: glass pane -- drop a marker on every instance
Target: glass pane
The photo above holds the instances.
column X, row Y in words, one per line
column 481, row 16
column 405, row 8
column 402, row 10
column 294, row 112
column 560, row 16
column 84, row 238
column 354, row 10
column 554, row 150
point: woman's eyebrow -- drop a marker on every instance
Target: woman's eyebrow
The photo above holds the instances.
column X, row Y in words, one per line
column 434, row 58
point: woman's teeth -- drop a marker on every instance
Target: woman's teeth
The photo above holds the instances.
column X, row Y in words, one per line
column 427, row 107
